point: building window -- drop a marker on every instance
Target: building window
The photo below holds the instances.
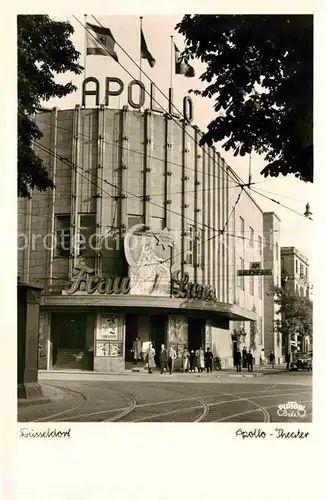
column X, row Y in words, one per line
column 242, row 227
column 251, row 285
column 241, row 283
column 260, row 245
column 301, row 271
column 277, row 251
column 301, row 292
column 156, row 224
column 251, row 237
column 260, row 287
column 192, row 247
column 260, row 331
column 63, row 235
column 87, row 238
column 133, row 220
column 296, row 266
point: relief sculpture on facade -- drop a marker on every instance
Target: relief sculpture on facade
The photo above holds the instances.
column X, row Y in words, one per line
column 176, row 329
column 149, row 271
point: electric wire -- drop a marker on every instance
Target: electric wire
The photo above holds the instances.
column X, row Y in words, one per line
column 130, row 74
column 233, row 184
column 71, row 165
column 142, row 72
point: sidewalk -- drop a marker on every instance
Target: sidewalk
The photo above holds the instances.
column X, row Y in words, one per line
column 139, row 374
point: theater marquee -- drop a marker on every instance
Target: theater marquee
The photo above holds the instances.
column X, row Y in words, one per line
column 114, row 87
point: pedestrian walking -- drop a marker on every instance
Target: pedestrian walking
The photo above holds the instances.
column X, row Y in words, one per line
column 137, row 350
column 192, row 361
column 150, row 358
column 200, row 359
column 272, row 359
column 171, row 359
column 186, row 360
column 208, row 357
column 163, row 359
column 244, row 357
column 238, row 360
column 250, row 361
column 288, row 360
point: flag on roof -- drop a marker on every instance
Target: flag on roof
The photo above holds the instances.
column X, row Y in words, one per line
column 100, row 41
column 182, row 67
column 145, row 54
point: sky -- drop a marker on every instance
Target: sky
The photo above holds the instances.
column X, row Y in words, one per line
column 295, row 229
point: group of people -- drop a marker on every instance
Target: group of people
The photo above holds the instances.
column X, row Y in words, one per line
column 197, row 360
column 192, row 361
column 243, row 359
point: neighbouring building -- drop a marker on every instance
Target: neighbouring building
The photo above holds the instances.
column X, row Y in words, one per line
column 295, row 277
column 143, row 235
column 272, row 340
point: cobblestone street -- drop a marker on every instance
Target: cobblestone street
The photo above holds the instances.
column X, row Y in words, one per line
column 162, row 398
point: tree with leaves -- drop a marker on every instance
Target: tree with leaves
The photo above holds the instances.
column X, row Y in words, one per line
column 44, row 50
column 259, row 70
column 295, row 314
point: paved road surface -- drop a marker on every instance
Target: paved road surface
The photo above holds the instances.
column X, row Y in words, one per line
column 165, row 399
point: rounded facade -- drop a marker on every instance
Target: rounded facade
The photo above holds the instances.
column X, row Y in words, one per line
column 140, row 237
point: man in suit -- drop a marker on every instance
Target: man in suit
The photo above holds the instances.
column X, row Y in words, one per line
column 238, row 360
column 171, row 359
column 250, row 361
column 163, row 359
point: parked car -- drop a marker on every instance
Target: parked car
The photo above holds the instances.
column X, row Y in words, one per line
column 301, row 361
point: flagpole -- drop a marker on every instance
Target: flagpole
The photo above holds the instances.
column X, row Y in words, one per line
column 141, row 26
column 171, row 60
column 85, row 43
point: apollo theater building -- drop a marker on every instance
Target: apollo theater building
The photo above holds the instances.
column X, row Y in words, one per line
column 139, row 238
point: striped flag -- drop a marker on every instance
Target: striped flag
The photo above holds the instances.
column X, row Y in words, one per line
column 145, row 54
column 181, row 67
column 100, row 42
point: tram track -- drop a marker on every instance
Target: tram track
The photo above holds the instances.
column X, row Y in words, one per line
column 65, row 412
column 126, row 413
column 157, row 403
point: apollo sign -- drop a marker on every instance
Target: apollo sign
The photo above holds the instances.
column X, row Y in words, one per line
column 136, row 92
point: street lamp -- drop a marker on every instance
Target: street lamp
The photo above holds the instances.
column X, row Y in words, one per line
column 307, row 212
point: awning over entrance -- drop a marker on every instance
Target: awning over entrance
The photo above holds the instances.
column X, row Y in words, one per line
column 229, row 311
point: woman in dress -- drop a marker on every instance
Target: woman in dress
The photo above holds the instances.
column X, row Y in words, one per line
column 186, row 360
column 150, row 358
column 200, row 359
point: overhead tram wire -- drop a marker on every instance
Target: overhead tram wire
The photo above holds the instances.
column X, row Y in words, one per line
column 281, row 204
column 65, row 161
column 220, row 233
column 241, row 184
column 130, row 74
column 90, row 137
column 299, row 200
column 71, row 165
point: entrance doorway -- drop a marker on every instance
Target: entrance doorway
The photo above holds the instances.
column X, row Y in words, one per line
column 131, row 332
column 149, row 329
column 68, row 337
column 158, row 334
column 196, row 333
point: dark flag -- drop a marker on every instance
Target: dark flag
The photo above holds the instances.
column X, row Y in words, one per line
column 182, row 67
column 145, row 54
column 102, row 43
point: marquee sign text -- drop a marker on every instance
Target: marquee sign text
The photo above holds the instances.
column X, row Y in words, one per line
column 254, row 272
column 115, row 87
column 182, row 288
column 84, row 281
